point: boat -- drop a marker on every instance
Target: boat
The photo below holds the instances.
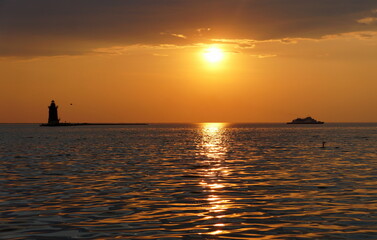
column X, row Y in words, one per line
column 307, row 120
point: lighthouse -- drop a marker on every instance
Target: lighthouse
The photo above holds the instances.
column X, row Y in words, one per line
column 53, row 119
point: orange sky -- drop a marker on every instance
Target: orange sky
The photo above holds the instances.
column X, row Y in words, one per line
column 281, row 63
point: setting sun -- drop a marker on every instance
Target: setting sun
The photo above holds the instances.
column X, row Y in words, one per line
column 213, row 54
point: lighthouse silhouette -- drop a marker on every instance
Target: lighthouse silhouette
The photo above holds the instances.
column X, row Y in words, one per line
column 53, row 114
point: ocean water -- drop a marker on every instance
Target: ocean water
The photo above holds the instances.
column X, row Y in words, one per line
column 189, row 181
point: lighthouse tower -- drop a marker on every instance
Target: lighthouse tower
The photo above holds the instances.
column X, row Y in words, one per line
column 53, row 119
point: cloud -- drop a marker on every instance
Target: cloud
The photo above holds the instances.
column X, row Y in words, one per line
column 241, row 43
column 74, row 27
column 264, row 55
column 160, row 55
column 178, row 35
column 365, row 35
column 367, row 20
column 116, row 50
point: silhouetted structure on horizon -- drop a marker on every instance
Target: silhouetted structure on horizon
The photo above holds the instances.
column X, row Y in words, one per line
column 54, row 121
column 53, row 114
column 307, row 120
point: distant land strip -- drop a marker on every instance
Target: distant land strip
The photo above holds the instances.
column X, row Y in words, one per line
column 87, row 124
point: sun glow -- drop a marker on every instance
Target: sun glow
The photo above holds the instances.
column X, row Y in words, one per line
column 213, row 54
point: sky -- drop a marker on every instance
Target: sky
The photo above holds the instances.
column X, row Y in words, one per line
column 146, row 60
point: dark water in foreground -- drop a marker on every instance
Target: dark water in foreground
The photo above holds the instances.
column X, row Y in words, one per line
column 203, row 181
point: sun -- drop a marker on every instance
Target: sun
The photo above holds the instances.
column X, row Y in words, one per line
column 213, row 54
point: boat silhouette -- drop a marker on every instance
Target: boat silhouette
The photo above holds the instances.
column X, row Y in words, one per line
column 307, row 120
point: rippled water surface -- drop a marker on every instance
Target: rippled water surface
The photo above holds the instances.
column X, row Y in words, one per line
column 198, row 181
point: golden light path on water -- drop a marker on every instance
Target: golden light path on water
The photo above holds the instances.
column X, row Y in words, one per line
column 214, row 147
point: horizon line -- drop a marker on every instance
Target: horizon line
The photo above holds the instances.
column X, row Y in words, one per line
column 176, row 122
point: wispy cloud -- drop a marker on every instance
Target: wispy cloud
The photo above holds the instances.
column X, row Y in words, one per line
column 363, row 35
column 241, row 43
column 367, row 20
column 116, row 50
column 160, row 55
column 177, row 35
column 264, row 55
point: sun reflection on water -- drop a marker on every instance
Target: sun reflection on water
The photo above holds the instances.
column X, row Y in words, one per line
column 213, row 140
column 213, row 147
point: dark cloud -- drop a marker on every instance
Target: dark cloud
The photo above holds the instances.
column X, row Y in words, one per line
column 56, row 27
